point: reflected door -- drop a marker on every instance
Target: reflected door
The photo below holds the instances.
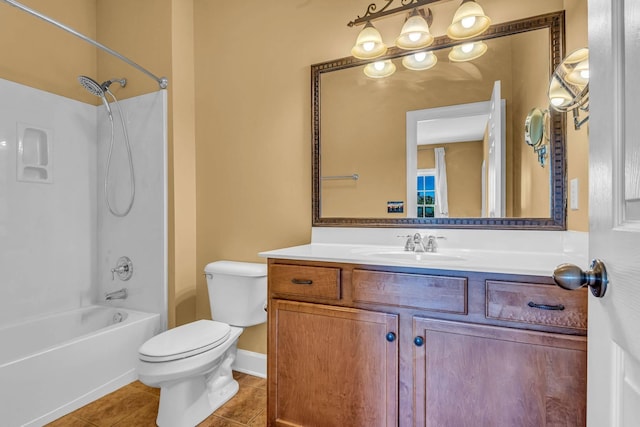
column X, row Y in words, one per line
column 496, row 169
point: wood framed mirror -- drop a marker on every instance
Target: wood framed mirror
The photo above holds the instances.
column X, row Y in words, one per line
column 361, row 135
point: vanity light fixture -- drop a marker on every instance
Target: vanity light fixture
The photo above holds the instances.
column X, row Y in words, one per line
column 467, row 51
column 380, row 69
column 420, row 61
column 468, row 21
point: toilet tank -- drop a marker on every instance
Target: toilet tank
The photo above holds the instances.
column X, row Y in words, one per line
column 237, row 292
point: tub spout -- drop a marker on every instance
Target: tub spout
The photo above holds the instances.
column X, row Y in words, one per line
column 119, row 294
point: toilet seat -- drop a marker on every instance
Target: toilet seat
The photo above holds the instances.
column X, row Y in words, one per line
column 185, row 341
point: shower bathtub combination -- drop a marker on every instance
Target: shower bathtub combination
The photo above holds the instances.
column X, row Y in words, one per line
column 70, row 327
column 69, row 359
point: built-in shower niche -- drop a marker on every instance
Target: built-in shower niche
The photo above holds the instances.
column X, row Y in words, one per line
column 34, row 154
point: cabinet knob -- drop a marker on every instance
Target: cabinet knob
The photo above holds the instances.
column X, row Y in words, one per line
column 418, row 341
column 391, row 337
column 570, row 277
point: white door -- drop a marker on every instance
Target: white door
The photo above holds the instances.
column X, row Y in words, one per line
column 614, row 138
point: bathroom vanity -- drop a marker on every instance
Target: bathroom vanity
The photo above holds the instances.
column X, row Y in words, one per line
column 373, row 341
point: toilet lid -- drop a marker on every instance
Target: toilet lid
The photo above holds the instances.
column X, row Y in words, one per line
column 185, row 341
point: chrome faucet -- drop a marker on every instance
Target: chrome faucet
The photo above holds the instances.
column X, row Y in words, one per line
column 418, row 243
column 119, row 294
column 431, row 244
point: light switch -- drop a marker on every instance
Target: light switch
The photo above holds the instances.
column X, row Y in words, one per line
column 574, row 194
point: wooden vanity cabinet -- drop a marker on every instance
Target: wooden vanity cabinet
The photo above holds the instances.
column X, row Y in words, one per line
column 354, row 345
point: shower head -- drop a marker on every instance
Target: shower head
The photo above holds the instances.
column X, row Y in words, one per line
column 94, row 88
column 99, row 90
column 91, row 86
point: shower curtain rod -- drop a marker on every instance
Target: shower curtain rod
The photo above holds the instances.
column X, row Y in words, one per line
column 162, row 81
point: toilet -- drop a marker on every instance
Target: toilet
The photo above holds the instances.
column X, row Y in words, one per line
column 191, row 364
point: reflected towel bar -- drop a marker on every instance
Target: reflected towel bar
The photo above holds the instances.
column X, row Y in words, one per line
column 354, row 177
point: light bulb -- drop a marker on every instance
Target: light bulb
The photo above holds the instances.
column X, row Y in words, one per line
column 557, row 101
column 467, row 47
column 368, row 46
column 414, row 37
column 379, row 65
column 420, row 56
column 468, row 22
column 584, row 74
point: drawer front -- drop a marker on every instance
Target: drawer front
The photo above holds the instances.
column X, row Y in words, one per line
column 321, row 282
column 537, row 304
column 433, row 293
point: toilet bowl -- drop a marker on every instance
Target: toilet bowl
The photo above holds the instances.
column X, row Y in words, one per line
column 191, row 364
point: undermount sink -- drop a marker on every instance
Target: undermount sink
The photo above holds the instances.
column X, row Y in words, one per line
column 401, row 255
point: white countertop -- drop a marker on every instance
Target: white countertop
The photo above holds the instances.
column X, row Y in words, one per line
column 499, row 252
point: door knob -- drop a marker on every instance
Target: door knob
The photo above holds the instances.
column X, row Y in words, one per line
column 570, row 277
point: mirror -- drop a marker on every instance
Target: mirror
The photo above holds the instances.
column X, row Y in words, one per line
column 363, row 166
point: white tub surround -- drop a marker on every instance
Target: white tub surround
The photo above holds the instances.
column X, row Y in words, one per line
column 497, row 251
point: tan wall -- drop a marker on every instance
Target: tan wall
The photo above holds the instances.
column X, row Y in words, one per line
column 577, row 145
column 253, row 122
column 252, row 110
column 464, row 175
column 36, row 54
column 531, row 181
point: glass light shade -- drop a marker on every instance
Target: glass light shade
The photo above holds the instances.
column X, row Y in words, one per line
column 468, row 21
column 420, row 61
column 369, row 43
column 380, row 69
column 580, row 74
column 415, row 33
column 559, row 96
column 467, row 51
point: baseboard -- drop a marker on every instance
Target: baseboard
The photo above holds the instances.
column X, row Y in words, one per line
column 252, row 363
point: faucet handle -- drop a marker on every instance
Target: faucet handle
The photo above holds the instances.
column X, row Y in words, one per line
column 408, row 244
column 123, row 269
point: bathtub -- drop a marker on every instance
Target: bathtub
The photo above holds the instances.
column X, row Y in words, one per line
column 54, row 364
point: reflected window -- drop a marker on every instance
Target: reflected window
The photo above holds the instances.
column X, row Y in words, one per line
column 426, row 193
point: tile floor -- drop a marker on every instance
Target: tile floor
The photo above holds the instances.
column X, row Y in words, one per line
column 136, row 405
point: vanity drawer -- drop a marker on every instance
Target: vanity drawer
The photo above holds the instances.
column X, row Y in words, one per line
column 321, row 282
column 538, row 304
column 433, row 293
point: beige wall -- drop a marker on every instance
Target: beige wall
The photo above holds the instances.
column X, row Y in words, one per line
column 531, row 190
column 577, row 143
column 36, row 54
column 464, row 175
column 240, row 129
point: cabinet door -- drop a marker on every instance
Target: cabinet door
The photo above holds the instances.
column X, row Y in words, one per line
column 331, row 366
column 474, row 375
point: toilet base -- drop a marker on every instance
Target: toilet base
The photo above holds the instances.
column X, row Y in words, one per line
column 187, row 402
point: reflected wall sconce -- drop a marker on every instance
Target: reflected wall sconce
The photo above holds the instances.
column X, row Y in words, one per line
column 569, row 86
column 467, row 51
column 468, row 21
column 536, row 132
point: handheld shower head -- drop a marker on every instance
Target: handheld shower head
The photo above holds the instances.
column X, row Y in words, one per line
column 94, row 88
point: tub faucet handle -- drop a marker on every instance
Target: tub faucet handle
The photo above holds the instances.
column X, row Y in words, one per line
column 123, row 268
